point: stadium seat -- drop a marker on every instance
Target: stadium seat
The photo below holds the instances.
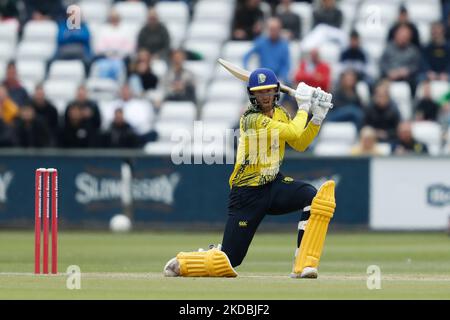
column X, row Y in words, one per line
column 219, row 12
column 438, row 89
column 234, row 51
column 60, row 92
column 231, row 90
column 304, row 10
column 42, row 31
column 378, row 12
column 400, row 93
column 161, row 148
column 7, row 50
column 372, row 33
column 132, row 12
column 225, row 112
column 207, row 31
column 385, row 148
column 33, row 71
column 177, row 33
column 427, row 12
column 177, row 11
column 28, row 50
column 9, row 33
column 338, row 132
column 94, row 11
column 362, row 89
column 330, row 52
column 159, row 68
column 424, row 29
column 70, row 70
column 202, row 72
column 102, row 89
column 332, row 149
column 173, row 130
column 428, row 132
column 348, row 12
column 3, row 69
column 210, row 51
column 182, row 111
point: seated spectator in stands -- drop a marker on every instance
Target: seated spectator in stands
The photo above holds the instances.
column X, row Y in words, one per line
column 6, row 135
column 112, row 47
column 30, row 131
column 444, row 112
column 401, row 59
column 436, row 55
column 403, row 20
column 347, row 105
column 290, row 21
column 179, row 83
column 9, row 10
column 140, row 75
column 313, row 71
column 154, row 37
column 139, row 113
column 8, row 108
column 355, row 58
column 382, row 114
column 426, row 108
column 45, row 109
column 367, row 145
column 15, row 90
column 248, row 20
column 74, row 43
column 89, row 108
column 76, row 132
column 121, row 134
column 405, row 142
column 327, row 13
column 272, row 50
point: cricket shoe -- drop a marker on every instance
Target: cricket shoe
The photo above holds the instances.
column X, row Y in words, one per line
column 172, row 268
column 307, row 273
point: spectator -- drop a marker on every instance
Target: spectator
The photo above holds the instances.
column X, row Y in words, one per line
column 154, row 37
column 436, row 55
column 17, row 93
column 6, row 134
column 405, row 142
column 8, row 108
column 89, row 108
column 347, row 105
column 272, row 51
column 327, row 13
column 141, row 77
column 401, row 59
column 290, row 21
column 139, row 113
column 179, row 83
column 444, row 113
column 248, row 20
column 30, row 131
column 313, row 71
column 45, row 109
column 121, row 134
column 74, row 43
column 403, row 20
column 355, row 58
column 383, row 114
column 112, row 47
column 77, row 133
column 367, row 145
column 426, row 108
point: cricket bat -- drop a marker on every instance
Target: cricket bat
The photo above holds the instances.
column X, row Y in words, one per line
column 243, row 75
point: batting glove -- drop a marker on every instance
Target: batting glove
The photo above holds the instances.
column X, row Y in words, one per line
column 303, row 95
column 321, row 103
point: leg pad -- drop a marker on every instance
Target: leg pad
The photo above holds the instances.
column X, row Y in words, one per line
column 211, row 263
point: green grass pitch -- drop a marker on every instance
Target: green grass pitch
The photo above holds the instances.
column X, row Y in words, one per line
column 129, row 266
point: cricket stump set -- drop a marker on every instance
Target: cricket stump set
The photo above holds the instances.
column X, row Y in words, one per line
column 46, row 200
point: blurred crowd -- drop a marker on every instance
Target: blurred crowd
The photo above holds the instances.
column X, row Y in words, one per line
column 32, row 120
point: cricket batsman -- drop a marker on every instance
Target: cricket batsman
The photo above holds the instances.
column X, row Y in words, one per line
column 258, row 188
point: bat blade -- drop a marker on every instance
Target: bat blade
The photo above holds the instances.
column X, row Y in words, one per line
column 243, row 75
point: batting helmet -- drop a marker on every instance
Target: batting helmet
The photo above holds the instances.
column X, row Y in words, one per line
column 261, row 79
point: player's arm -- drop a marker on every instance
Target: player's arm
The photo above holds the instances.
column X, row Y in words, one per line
column 321, row 103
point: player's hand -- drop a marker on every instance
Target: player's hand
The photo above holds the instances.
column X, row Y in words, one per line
column 321, row 103
column 303, row 95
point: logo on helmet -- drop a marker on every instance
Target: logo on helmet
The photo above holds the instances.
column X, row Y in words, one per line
column 261, row 78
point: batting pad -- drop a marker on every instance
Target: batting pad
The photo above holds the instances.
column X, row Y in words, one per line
column 322, row 209
column 211, row 263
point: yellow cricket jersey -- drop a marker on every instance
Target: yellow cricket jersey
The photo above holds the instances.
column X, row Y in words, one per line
column 262, row 144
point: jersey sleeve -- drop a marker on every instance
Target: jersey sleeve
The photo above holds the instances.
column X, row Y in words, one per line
column 306, row 138
column 292, row 130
